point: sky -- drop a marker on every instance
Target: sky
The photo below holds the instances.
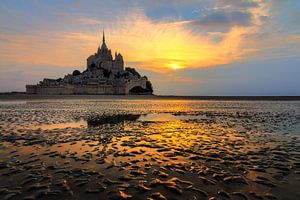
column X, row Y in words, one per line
column 185, row 47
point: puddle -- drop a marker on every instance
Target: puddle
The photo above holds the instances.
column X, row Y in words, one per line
column 76, row 124
column 111, row 119
column 115, row 119
column 158, row 117
column 165, row 117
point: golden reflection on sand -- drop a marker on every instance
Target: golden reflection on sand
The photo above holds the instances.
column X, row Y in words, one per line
column 158, row 117
column 210, row 152
column 78, row 124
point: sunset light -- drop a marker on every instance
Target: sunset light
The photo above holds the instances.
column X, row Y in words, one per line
column 150, row 99
column 188, row 42
column 175, row 66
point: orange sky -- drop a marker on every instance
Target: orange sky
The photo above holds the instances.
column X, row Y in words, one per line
column 166, row 39
column 155, row 45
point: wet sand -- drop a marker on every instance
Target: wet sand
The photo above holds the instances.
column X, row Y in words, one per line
column 149, row 149
column 24, row 96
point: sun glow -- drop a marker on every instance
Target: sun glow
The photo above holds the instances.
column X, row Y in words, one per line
column 159, row 46
column 175, row 66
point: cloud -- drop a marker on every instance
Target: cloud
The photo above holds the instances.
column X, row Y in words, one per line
column 46, row 48
column 229, row 32
column 89, row 21
column 13, row 77
column 225, row 19
column 238, row 4
column 46, row 39
column 157, row 45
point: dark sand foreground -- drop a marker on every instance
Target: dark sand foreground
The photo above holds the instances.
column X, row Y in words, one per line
column 86, row 148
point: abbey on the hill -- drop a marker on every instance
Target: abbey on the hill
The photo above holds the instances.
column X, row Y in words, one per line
column 104, row 75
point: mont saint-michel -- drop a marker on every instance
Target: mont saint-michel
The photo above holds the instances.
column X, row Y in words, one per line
column 103, row 75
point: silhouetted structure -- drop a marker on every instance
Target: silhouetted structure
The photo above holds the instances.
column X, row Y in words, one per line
column 104, row 75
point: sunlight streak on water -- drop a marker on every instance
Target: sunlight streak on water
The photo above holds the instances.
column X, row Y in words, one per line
column 246, row 147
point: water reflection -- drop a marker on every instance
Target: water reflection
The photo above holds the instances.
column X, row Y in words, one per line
column 111, row 119
column 156, row 117
column 159, row 149
column 75, row 124
column 165, row 117
column 118, row 118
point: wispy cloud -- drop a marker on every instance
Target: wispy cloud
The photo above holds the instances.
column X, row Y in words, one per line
column 89, row 21
column 225, row 19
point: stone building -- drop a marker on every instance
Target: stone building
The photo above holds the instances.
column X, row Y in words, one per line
column 103, row 75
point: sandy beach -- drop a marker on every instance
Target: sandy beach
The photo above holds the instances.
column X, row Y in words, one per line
column 63, row 148
column 150, row 100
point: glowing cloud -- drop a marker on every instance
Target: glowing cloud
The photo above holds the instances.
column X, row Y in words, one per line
column 223, row 36
column 163, row 46
column 171, row 40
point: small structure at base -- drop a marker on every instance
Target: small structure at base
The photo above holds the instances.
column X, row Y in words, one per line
column 103, row 75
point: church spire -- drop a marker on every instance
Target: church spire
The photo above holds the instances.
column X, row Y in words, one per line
column 103, row 46
column 103, row 37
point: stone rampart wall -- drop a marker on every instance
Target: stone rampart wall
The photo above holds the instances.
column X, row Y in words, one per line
column 74, row 89
column 135, row 82
column 86, row 89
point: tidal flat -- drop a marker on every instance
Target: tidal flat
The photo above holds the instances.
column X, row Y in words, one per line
column 149, row 149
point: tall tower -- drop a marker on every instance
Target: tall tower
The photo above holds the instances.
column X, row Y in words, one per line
column 103, row 57
column 103, row 37
column 103, row 46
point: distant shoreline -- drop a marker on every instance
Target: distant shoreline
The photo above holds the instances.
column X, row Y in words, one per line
column 24, row 96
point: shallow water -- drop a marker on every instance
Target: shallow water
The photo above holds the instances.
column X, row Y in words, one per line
column 139, row 149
